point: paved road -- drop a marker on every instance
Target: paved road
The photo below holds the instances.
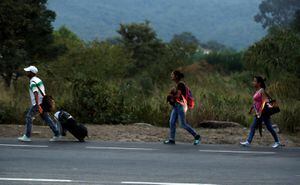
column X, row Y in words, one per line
column 107, row 163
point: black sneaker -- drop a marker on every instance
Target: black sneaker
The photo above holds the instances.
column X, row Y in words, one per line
column 169, row 142
column 197, row 139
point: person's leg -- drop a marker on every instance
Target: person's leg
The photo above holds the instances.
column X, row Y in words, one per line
column 60, row 127
column 183, row 122
column 172, row 122
column 28, row 119
column 54, row 127
column 268, row 124
column 252, row 129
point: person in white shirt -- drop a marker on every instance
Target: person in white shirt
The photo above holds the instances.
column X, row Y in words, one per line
column 37, row 92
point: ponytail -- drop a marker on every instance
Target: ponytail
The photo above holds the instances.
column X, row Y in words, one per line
column 179, row 75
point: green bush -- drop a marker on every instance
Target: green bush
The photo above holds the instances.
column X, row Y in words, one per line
column 225, row 61
column 96, row 101
column 288, row 118
column 100, row 82
column 7, row 114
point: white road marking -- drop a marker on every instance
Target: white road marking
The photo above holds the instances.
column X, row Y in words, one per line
column 35, row 180
column 33, row 146
column 162, row 183
column 119, row 148
column 236, row 151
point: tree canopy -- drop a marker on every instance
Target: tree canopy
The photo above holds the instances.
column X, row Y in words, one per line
column 25, row 34
column 277, row 12
column 141, row 40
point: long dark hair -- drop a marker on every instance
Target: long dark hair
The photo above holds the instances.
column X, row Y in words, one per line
column 261, row 80
column 178, row 75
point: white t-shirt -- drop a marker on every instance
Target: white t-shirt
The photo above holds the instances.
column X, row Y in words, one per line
column 34, row 82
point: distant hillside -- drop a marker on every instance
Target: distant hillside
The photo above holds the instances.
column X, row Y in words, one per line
column 227, row 21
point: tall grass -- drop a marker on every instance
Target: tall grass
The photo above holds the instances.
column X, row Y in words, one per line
column 218, row 97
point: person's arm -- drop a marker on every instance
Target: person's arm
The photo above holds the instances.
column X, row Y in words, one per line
column 178, row 94
column 36, row 97
column 264, row 100
column 171, row 96
column 251, row 110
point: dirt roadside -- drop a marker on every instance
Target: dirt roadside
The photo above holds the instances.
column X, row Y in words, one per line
column 148, row 133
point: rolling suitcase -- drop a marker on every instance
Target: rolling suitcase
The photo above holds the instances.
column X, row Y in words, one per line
column 68, row 123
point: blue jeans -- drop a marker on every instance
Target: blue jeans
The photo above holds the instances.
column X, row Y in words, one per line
column 176, row 113
column 268, row 123
column 45, row 116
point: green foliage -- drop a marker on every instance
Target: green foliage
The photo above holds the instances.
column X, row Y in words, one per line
column 295, row 25
column 152, row 60
column 222, row 107
column 277, row 52
column 141, row 41
column 289, row 116
column 225, row 61
column 25, row 35
column 99, row 101
column 127, row 81
column 7, row 114
column 66, row 38
column 277, row 12
column 184, row 45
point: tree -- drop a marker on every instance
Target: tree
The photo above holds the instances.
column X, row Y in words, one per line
column 141, row 40
column 296, row 22
column 25, row 34
column 185, row 44
column 279, row 52
column 277, row 12
column 67, row 39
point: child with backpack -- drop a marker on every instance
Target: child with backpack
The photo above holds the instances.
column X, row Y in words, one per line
column 181, row 99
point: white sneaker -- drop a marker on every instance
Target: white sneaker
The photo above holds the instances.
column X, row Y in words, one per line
column 276, row 145
column 246, row 143
column 24, row 138
column 55, row 138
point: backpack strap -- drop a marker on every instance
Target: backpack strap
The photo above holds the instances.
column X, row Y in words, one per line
column 186, row 89
column 270, row 98
column 39, row 88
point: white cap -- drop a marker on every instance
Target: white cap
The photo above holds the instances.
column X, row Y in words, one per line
column 56, row 114
column 32, row 69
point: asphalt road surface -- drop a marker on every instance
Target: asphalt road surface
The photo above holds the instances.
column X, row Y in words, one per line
column 110, row 163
